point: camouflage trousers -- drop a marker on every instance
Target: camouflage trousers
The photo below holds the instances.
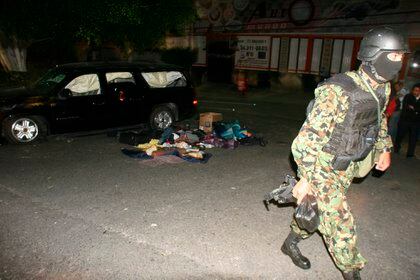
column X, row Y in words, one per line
column 336, row 221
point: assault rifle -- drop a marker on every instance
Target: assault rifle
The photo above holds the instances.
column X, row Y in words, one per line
column 282, row 194
column 306, row 213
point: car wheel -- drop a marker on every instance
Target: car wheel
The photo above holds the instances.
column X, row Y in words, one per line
column 161, row 118
column 24, row 129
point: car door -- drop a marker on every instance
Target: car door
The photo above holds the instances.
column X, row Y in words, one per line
column 124, row 96
column 81, row 104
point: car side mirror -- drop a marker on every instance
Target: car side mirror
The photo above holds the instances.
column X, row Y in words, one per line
column 64, row 94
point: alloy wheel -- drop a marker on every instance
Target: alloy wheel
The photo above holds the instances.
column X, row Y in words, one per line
column 163, row 120
column 25, row 130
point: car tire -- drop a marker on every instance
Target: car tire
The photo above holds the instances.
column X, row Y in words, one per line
column 25, row 129
column 161, row 118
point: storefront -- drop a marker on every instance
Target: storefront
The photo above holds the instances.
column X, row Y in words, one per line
column 315, row 37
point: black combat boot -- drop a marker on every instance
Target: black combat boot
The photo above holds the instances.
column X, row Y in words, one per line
column 291, row 249
column 352, row 275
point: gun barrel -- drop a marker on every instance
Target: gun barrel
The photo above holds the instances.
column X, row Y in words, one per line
column 268, row 197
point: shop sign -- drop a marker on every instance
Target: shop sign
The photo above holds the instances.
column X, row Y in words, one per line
column 252, row 52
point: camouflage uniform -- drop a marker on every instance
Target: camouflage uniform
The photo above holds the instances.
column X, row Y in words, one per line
column 330, row 186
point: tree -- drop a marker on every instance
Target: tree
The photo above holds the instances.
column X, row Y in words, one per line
column 134, row 24
column 131, row 24
column 21, row 23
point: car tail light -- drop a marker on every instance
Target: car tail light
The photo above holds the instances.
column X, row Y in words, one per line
column 195, row 102
column 122, row 96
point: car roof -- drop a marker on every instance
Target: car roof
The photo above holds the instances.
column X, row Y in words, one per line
column 118, row 65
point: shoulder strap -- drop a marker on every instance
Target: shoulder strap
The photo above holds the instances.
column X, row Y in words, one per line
column 342, row 80
column 374, row 96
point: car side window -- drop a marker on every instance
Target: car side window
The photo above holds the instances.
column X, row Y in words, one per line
column 119, row 77
column 164, row 79
column 85, row 85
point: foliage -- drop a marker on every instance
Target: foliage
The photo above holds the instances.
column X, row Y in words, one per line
column 184, row 57
column 23, row 21
column 133, row 24
column 138, row 24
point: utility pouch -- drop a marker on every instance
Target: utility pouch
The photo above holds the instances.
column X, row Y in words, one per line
column 341, row 163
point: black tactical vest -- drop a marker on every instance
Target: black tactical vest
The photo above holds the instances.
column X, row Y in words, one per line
column 355, row 137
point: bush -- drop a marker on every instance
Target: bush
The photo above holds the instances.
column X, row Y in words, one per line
column 184, row 57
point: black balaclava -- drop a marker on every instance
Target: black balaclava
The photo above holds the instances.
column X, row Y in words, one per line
column 382, row 69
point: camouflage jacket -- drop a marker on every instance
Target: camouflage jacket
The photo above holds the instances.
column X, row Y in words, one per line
column 330, row 108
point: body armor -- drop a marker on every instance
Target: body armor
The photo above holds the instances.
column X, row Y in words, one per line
column 355, row 137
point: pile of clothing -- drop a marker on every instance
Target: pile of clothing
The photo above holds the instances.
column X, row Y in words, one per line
column 234, row 135
column 191, row 145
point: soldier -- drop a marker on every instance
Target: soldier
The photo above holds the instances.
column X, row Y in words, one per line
column 341, row 129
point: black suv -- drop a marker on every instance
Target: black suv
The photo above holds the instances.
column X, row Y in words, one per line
column 86, row 96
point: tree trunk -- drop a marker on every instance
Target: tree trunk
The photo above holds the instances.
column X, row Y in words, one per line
column 13, row 57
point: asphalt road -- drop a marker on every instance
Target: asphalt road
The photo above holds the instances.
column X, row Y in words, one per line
column 77, row 208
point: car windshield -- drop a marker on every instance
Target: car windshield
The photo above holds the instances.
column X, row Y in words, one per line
column 49, row 81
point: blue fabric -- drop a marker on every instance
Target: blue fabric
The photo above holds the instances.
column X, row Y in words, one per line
column 196, row 160
column 167, row 133
column 231, row 130
column 135, row 154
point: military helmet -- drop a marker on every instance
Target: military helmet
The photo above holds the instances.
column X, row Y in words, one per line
column 379, row 40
